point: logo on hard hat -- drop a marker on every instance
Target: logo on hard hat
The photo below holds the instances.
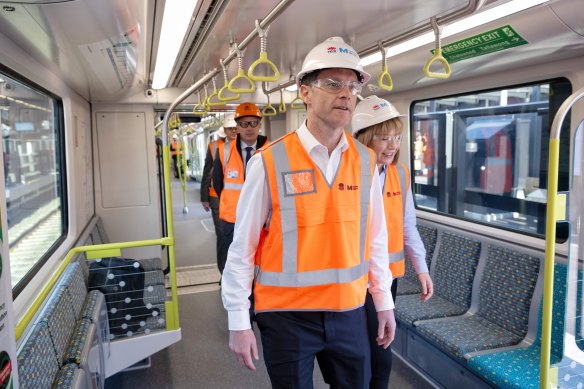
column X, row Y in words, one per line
column 331, row 49
column 348, row 51
column 379, row 106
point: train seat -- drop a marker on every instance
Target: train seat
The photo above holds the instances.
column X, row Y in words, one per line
column 519, row 367
column 452, row 289
column 36, row 359
column 507, row 284
column 409, row 283
column 71, row 377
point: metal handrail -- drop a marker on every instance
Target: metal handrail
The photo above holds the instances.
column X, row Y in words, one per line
column 550, row 235
column 38, row 301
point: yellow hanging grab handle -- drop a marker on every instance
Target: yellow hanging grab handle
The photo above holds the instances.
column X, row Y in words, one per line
column 269, row 110
column 206, row 101
column 199, row 108
column 223, row 92
column 297, row 103
column 212, row 95
column 437, row 55
column 282, row 106
column 263, row 59
column 240, row 75
column 384, row 80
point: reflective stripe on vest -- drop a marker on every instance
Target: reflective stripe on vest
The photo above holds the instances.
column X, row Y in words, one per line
column 393, row 199
column 233, row 177
column 289, row 275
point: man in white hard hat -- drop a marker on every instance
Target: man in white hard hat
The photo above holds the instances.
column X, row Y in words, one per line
column 209, row 197
column 311, row 219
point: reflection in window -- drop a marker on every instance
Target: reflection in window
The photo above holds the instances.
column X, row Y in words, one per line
column 33, row 175
column 483, row 156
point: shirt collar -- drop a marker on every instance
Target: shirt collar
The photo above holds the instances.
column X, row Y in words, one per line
column 310, row 142
column 244, row 145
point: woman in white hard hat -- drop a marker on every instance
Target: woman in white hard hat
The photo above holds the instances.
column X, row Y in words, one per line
column 376, row 123
column 297, row 205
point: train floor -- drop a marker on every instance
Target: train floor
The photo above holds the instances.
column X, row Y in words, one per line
column 202, row 358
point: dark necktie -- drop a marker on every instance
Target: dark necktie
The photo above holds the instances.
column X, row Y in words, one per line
column 248, row 150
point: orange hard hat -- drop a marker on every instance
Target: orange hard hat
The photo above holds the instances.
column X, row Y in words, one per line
column 247, row 109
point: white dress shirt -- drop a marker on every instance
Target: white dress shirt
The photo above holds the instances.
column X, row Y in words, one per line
column 243, row 147
column 252, row 212
column 413, row 244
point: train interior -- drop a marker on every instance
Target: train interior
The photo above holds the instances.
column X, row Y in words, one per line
column 109, row 259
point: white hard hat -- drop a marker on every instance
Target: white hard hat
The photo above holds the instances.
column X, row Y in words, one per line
column 174, row 136
column 332, row 53
column 229, row 121
column 372, row 110
column 221, row 132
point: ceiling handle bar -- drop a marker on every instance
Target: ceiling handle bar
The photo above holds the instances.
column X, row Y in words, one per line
column 437, row 57
column 240, row 74
column 472, row 7
column 384, row 80
column 263, row 59
column 270, row 17
column 550, row 234
column 199, row 108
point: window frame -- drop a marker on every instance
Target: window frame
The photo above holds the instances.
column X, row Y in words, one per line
column 444, row 177
column 60, row 158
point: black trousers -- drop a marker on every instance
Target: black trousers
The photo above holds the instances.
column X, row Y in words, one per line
column 214, row 205
column 380, row 358
column 338, row 340
column 223, row 245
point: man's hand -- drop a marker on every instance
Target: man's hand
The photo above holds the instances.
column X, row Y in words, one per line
column 243, row 345
column 386, row 329
column 427, row 286
column 206, row 206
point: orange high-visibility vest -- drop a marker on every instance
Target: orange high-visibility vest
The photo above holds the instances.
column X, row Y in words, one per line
column 314, row 253
column 395, row 191
column 213, row 147
column 176, row 148
column 233, row 177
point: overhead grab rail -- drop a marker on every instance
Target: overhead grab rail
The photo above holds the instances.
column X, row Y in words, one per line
column 224, row 91
column 384, row 80
column 206, row 101
column 555, row 205
column 269, row 110
column 241, row 76
column 437, row 57
column 270, row 17
column 263, row 59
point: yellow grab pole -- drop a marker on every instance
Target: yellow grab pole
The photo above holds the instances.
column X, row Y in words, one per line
column 550, row 249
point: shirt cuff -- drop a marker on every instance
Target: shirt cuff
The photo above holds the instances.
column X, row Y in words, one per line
column 239, row 320
column 382, row 301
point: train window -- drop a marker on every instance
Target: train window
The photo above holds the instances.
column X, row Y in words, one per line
column 483, row 156
column 33, row 170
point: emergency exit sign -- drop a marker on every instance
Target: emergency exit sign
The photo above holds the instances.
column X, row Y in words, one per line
column 501, row 38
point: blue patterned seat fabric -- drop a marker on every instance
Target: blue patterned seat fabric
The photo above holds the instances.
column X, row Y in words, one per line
column 74, row 282
column 452, row 289
column 409, row 284
column 519, row 368
column 69, row 377
column 506, row 291
column 60, row 318
column 37, row 361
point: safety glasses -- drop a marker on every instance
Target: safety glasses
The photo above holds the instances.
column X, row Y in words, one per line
column 337, row 85
column 252, row 124
column 396, row 139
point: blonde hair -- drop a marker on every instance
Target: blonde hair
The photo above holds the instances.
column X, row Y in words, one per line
column 394, row 125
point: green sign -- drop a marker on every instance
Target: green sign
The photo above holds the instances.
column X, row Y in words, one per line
column 501, row 38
